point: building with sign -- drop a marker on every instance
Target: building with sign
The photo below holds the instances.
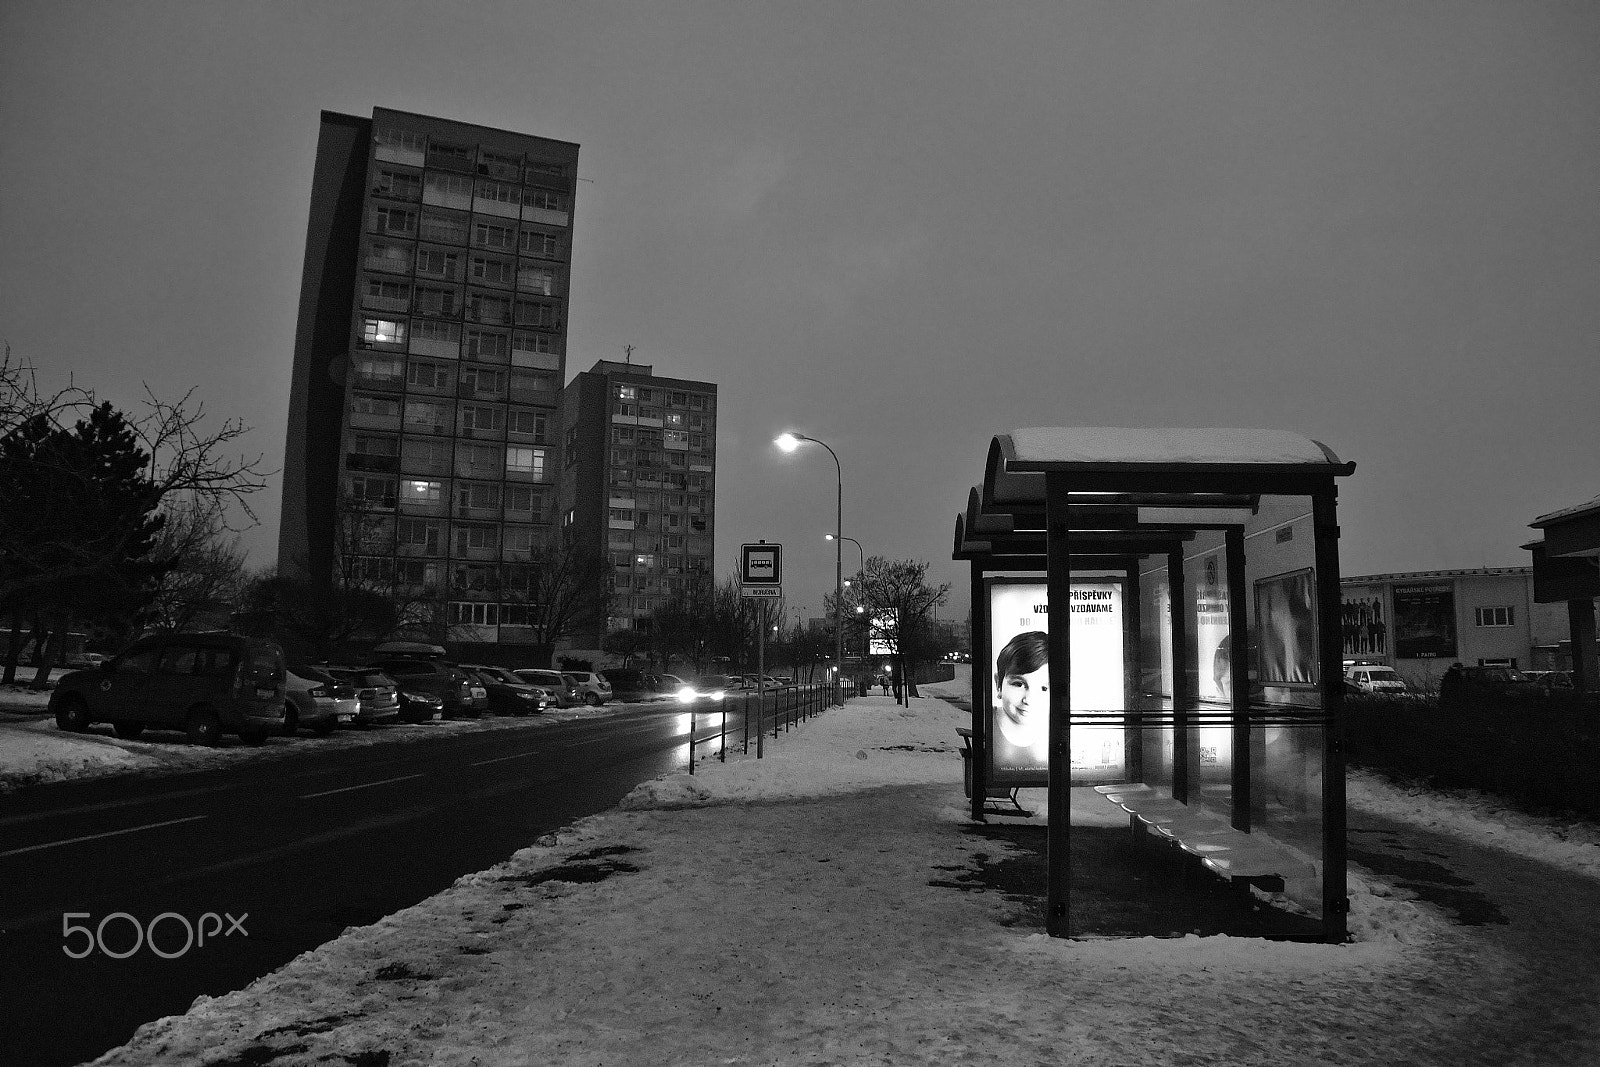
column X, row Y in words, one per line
column 1420, row 622
column 429, row 359
column 638, row 482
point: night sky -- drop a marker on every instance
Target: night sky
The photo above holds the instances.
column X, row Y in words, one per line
column 898, row 227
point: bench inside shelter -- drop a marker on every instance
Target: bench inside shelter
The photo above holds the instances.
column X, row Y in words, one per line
column 1003, row 794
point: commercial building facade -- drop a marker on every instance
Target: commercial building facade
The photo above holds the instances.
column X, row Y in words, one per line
column 1420, row 622
column 425, row 413
column 638, row 482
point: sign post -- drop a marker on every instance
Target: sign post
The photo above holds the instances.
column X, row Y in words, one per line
column 761, row 575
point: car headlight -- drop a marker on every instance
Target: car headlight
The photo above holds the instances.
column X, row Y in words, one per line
column 686, row 695
column 718, row 695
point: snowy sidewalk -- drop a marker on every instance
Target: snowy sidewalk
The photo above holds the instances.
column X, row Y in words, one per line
column 783, row 912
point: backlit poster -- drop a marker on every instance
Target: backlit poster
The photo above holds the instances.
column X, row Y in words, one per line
column 1215, row 682
column 1018, row 680
column 1425, row 621
column 1286, row 628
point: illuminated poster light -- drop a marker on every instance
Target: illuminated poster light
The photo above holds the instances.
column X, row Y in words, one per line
column 1018, row 679
column 1215, row 683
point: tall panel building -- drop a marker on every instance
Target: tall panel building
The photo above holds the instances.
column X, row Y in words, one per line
column 429, row 361
column 639, row 482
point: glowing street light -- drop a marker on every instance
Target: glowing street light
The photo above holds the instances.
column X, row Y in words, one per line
column 789, row 441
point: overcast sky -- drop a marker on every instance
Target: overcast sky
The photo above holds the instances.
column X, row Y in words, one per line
column 899, row 227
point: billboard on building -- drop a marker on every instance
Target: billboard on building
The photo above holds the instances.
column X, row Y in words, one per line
column 1425, row 621
column 1365, row 633
column 1286, row 628
column 1018, row 680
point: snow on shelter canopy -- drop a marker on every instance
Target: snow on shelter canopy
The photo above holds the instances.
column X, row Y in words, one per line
column 1149, row 470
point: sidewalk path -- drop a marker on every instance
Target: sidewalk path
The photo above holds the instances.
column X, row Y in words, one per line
column 785, row 912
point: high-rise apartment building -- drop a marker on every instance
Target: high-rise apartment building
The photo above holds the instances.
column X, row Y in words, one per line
column 639, row 482
column 430, row 356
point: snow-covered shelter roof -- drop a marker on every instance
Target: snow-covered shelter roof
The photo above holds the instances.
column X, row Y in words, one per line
column 1134, row 479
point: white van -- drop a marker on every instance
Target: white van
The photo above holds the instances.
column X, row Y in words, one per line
column 1375, row 678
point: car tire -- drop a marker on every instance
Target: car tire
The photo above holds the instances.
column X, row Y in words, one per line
column 204, row 728
column 129, row 731
column 291, row 721
column 72, row 714
column 592, row 699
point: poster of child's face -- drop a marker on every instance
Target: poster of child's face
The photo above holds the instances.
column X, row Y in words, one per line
column 1019, row 683
column 1286, row 621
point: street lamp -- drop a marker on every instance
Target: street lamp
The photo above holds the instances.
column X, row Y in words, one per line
column 789, row 441
column 860, row 609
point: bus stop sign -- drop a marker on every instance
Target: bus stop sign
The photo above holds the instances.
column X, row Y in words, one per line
column 761, row 565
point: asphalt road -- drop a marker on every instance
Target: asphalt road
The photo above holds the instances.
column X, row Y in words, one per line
column 282, row 855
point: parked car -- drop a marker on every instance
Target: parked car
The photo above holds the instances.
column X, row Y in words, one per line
column 1489, row 687
column 508, row 694
column 378, row 698
column 444, row 680
column 1375, row 678
column 317, row 701
column 753, row 681
column 593, row 688
column 560, row 686
column 205, row 684
column 629, row 685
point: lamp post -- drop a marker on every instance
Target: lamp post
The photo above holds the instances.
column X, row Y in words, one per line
column 863, row 572
column 789, row 441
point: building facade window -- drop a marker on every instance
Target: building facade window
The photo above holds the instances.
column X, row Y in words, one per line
column 490, row 235
column 398, row 184
column 483, row 417
column 423, row 374
column 437, row 263
column 532, row 424
column 474, row 613
column 394, row 220
column 525, row 461
column 380, row 332
column 371, row 370
column 1496, row 616
column 540, row 245
column 446, row 227
column 415, row 491
column 420, row 534
column 487, row 345
column 427, row 417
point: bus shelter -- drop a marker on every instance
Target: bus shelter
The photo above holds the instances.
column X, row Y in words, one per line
column 1156, row 626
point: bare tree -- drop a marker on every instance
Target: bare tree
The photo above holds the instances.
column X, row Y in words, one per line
column 899, row 604
column 202, row 574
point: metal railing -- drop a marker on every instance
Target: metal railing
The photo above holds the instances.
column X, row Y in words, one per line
column 788, row 706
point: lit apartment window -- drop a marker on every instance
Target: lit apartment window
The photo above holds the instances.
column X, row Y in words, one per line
column 627, row 392
column 530, row 423
column 1495, row 616
column 488, row 235
column 436, row 263
column 422, row 374
column 525, row 461
column 677, row 439
column 383, row 331
column 415, row 491
column 536, row 280
column 482, row 417
column 421, row 534
column 675, row 420
column 540, row 245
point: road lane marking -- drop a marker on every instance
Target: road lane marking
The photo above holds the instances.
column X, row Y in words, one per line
column 500, row 759
column 155, row 798
column 363, row 785
column 92, row 837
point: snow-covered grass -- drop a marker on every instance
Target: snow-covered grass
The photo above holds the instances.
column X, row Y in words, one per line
column 780, row 912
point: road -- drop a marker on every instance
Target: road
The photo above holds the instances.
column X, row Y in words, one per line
column 283, row 854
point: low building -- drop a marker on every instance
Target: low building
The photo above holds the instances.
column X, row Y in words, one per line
column 1420, row 622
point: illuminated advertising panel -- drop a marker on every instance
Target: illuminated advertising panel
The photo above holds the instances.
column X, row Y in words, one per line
column 1286, row 628
column 1018, row 680
column 1425, row 621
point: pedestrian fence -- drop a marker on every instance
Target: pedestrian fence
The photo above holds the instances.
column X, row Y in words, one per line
column 780, row 709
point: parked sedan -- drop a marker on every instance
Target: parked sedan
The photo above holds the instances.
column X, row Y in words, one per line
column 560, row 686
column 592, row 688
column 463, row 697
column 508, row 694
column 377, row 697
column 317, row 701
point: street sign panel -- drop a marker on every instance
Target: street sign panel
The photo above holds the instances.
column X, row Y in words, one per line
column 761, row 564
column 760, row 590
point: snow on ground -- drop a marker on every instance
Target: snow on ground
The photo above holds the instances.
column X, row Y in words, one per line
column 33, row 750
column 779, row 912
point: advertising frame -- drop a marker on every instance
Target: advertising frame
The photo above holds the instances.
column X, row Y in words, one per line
column 1287, row 634
column 1424, row 620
